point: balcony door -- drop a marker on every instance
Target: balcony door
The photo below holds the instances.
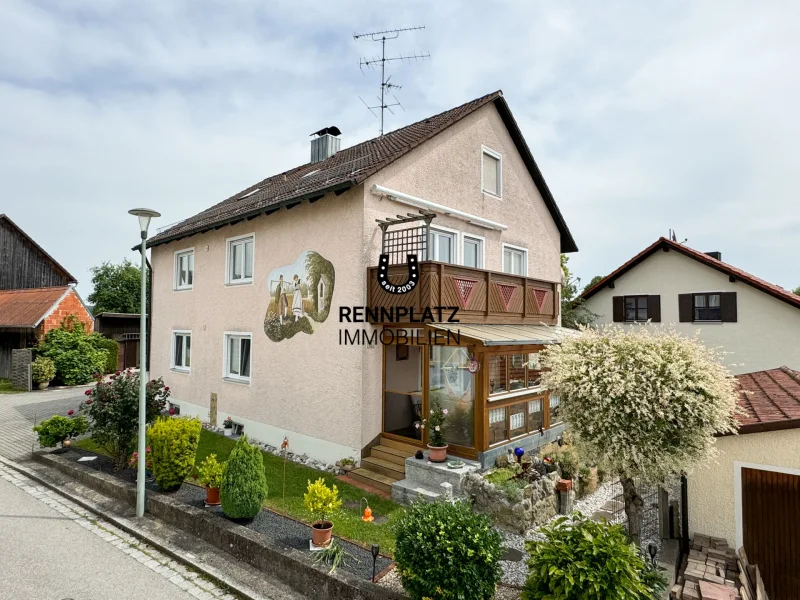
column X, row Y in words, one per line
column 402, row 391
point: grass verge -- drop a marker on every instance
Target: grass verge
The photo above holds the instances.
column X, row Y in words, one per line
column 5, row 387
column 288, row 499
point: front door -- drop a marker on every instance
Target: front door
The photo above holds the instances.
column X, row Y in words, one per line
column 403, row 399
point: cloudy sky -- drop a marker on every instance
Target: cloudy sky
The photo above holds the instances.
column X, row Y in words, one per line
column 643, row 116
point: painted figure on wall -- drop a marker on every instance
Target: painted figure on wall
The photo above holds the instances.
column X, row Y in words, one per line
column 312, row 280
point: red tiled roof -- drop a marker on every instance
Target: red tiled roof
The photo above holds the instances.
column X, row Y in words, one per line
column 353, row 166
column 765, row 286
column 771, row 400
column 26, row 308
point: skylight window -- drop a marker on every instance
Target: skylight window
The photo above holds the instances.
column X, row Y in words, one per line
column 248, row 194
column 310, row 173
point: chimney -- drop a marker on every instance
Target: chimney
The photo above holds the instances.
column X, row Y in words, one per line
column 325, row 143
column 717, row 255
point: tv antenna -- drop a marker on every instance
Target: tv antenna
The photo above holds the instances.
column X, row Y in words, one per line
column 387, row 86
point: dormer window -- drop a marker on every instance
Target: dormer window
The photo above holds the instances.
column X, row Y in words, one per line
column 492, row 172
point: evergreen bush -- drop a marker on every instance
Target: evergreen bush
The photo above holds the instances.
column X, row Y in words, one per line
column 445, row 551
column 244, row 485
column 56, row 429
column 581, row 559
column 174, row 445
column 112, row 349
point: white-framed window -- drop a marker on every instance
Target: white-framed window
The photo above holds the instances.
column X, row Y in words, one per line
column 491, row 172
column 515, row 260
column 237, row 356
column 239, row 268
column 442, row 245
column 182, row 350
column 472, row 251
column 184, row 269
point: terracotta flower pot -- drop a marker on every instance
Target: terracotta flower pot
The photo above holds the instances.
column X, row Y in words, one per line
column 212, row 496
column 437, row 454
column 321, row 533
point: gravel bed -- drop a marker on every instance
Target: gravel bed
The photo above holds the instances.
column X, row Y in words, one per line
column 284, row 530
column 515, row 572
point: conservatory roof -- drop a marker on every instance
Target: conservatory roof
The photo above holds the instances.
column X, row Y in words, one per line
column 506, row 335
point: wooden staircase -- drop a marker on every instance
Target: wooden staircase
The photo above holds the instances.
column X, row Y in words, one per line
column 385, row 464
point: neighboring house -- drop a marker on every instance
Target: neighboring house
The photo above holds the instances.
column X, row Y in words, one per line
column 36, row 293
column 124, row 329
column 756, row 321
column 751, row 494
column 260, row 300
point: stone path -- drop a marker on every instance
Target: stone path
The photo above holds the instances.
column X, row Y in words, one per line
column 53, row 557
column 19, row 412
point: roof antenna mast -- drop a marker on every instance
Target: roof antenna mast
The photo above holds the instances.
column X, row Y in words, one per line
column 386, row 85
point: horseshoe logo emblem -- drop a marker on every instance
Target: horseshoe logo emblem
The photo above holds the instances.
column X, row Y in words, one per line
column 403, row 288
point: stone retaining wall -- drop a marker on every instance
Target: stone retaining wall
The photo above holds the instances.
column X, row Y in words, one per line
column 539, row 502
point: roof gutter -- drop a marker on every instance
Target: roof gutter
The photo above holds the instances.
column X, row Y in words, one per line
column 384, row 192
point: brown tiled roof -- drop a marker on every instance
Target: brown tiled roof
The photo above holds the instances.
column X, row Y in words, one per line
column 350, row 167
column 26, row 308
column 771, row 400
column 765, row 286
column 56, row 264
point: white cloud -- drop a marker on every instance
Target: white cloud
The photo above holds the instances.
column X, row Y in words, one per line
column 642, row 116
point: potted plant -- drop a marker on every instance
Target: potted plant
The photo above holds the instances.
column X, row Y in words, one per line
column 43, row 370
column 435, row 422
column 227, row 426
column 210, row 472
column 321, row 502
column 347, row 464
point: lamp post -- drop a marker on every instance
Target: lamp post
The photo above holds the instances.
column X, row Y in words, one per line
column 144, row 214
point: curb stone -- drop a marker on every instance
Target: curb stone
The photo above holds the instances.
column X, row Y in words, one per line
column 182, row 557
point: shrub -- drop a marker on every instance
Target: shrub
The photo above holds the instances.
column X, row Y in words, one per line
column 444, row 551
column 112, row 349
column 43, row 370
column 113, row 412
column 174, row 443
column 244, row 486
column 321, row 501
column 579, row 554
column 76, row 355
column 210, row 472
column 565, row 456
column 56, row 429
column 133, row 463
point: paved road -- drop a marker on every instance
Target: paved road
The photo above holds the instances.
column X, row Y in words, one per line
column 53, row 549
column 19, row 412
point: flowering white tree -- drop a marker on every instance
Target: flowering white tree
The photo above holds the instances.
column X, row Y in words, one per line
column 642, row 401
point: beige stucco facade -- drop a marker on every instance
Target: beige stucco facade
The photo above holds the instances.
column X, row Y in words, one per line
column 715, row 501
column 327, row 397
column 767, row 330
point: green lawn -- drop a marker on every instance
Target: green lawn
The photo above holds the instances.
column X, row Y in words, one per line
column 347, row 524
column 5, row 387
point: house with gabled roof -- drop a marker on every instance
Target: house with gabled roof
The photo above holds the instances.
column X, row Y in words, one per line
column 336, row 303
column 756, row 322
column 36, row 293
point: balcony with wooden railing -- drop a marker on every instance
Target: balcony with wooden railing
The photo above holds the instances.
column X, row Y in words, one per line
column 481, row 296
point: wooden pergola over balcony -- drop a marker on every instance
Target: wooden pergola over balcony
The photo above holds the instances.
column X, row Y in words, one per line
column 481, row 296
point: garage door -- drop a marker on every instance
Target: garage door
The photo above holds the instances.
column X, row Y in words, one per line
column 771, row 529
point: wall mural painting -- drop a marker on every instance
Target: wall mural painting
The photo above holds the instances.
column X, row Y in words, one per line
column 299, row 296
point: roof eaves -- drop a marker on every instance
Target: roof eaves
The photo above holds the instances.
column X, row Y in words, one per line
column 338, row 188
column 567, row 241
column 38, row 247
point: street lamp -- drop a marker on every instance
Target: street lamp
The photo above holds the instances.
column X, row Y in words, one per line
column 144, row 214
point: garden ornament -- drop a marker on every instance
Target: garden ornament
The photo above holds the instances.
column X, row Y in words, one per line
column 367, row 518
